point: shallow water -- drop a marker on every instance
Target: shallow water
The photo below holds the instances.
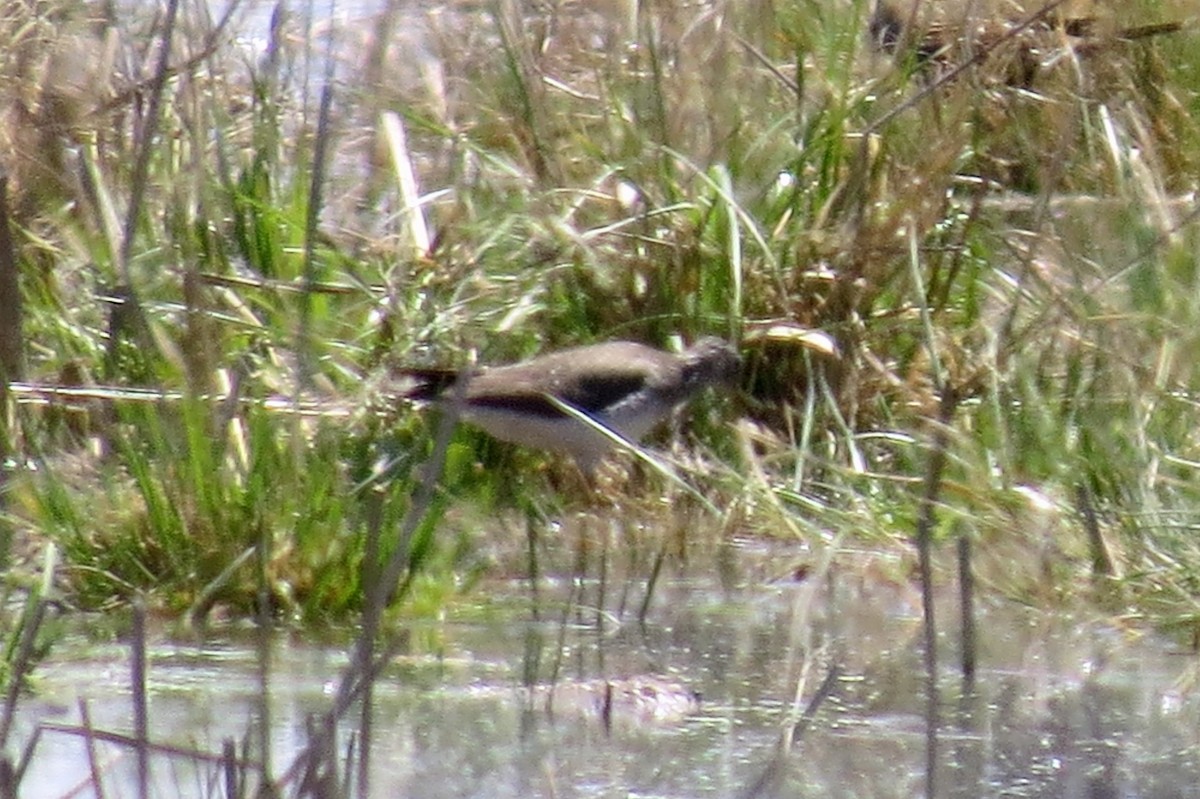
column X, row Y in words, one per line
column 1066, row 706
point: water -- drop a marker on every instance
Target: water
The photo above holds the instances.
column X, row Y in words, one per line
column 1068, row 705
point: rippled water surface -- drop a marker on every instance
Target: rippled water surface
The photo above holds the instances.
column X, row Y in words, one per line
column 1067, row 705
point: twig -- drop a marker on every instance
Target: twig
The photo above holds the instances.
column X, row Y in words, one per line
column 131, row 741
column 655, row 571
column 926, row 521
column 85, row 721
column 137, row 678
column 966, row 593
column 769, row 779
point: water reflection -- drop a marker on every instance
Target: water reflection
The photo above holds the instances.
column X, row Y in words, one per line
column 1066, row 706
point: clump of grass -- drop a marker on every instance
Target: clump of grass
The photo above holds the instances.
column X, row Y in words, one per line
column 755, row 174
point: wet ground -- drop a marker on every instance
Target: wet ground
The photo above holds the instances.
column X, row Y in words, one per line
column 701, row 700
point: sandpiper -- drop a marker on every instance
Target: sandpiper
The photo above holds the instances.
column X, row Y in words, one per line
column 623, row 386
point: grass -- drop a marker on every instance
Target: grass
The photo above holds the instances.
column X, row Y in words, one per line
column 667, row 173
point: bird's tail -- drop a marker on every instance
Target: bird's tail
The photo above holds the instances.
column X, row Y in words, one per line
column 423, row 383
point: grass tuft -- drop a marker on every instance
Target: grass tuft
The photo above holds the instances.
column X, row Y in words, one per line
column 540, row 178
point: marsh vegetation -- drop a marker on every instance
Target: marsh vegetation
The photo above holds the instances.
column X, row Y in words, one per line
column 967, row 303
